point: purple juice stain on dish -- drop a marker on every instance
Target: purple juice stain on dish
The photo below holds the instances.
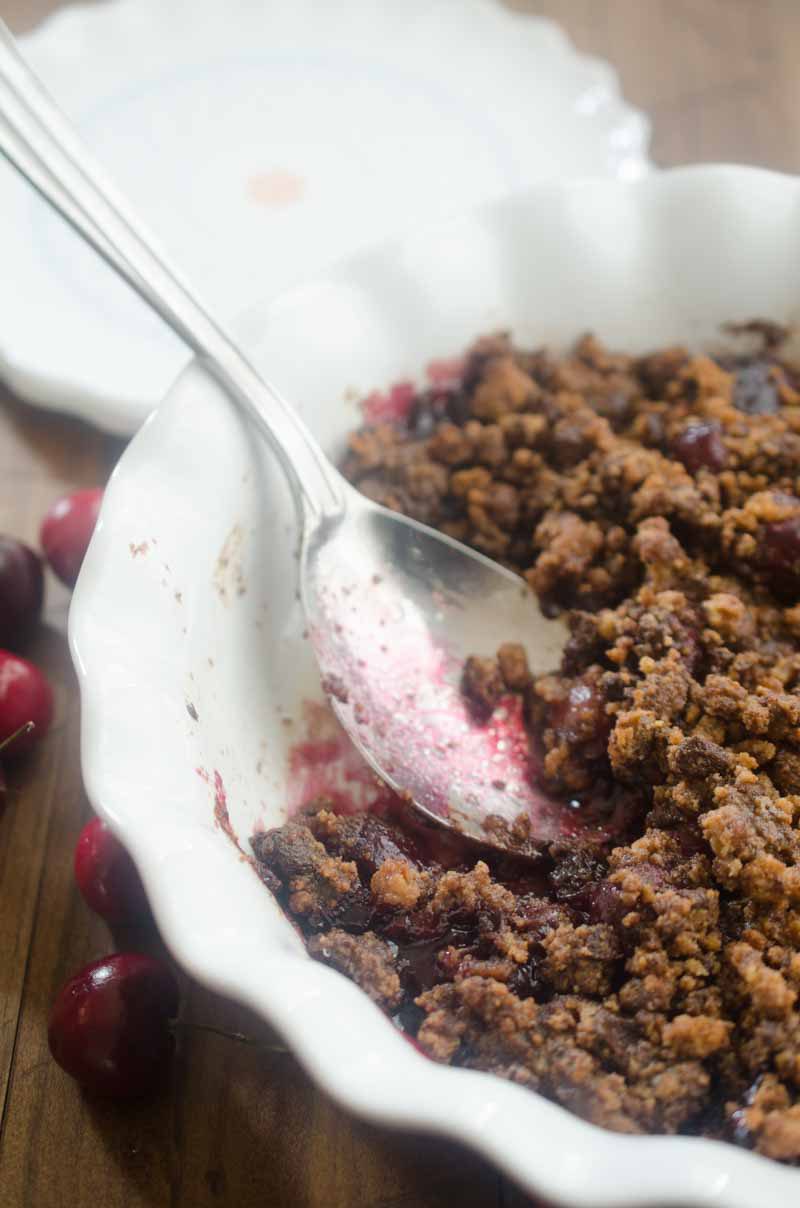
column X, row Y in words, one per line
column 403, row 703
column 390, row 406
column 403, row 405
column 447, row 371
column 325, row 766
column 222, row 817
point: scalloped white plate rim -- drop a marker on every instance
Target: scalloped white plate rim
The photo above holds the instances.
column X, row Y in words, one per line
column 370, row 1069
column 591, row 88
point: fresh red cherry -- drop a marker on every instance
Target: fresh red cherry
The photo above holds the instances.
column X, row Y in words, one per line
column 109, row 1025
column 28, row 728
column 25, row 696
column 107, row 876
column 67, row 530
column 21, row 590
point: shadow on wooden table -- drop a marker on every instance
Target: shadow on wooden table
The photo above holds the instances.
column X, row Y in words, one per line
column 242, row 1125
column 59, row 447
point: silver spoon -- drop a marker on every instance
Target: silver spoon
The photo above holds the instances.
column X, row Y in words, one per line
column 393, row 607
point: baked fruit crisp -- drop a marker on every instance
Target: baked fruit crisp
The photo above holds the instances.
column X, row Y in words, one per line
column 647, row 980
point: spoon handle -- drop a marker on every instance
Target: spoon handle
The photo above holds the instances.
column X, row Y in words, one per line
column 42, row 144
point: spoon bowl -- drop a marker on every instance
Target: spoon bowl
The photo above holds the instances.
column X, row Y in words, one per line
column 394, row 611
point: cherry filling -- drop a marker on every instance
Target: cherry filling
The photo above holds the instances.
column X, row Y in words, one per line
column 423, row 952
column 700, row 447
column 579, row 722
column 756, row 388
column 780, row 557
column 21, row 591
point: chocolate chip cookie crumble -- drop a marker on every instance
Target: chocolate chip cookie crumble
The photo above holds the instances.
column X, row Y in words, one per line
column 649, row 981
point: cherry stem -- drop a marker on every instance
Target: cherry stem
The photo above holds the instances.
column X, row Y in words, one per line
column 237, row 1036
column 27, row 728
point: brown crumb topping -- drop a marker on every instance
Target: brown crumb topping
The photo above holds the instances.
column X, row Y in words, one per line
column 649, row 983
column 365, row 958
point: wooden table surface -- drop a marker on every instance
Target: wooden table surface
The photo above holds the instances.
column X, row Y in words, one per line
column 240, row 1126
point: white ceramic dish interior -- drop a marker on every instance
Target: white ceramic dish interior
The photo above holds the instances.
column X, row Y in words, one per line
column 264, row 141
column 187, row 598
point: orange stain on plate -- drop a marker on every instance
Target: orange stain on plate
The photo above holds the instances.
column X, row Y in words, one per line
column 276, row 188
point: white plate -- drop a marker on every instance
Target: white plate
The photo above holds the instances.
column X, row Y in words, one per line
column 262, row 142
column 187, row 596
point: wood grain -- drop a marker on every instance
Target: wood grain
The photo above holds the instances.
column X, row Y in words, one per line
column 717, row 77
column 239, row 1125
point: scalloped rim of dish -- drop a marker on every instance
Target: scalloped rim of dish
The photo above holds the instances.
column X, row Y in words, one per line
column 596, row 92
column 370, row 1069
